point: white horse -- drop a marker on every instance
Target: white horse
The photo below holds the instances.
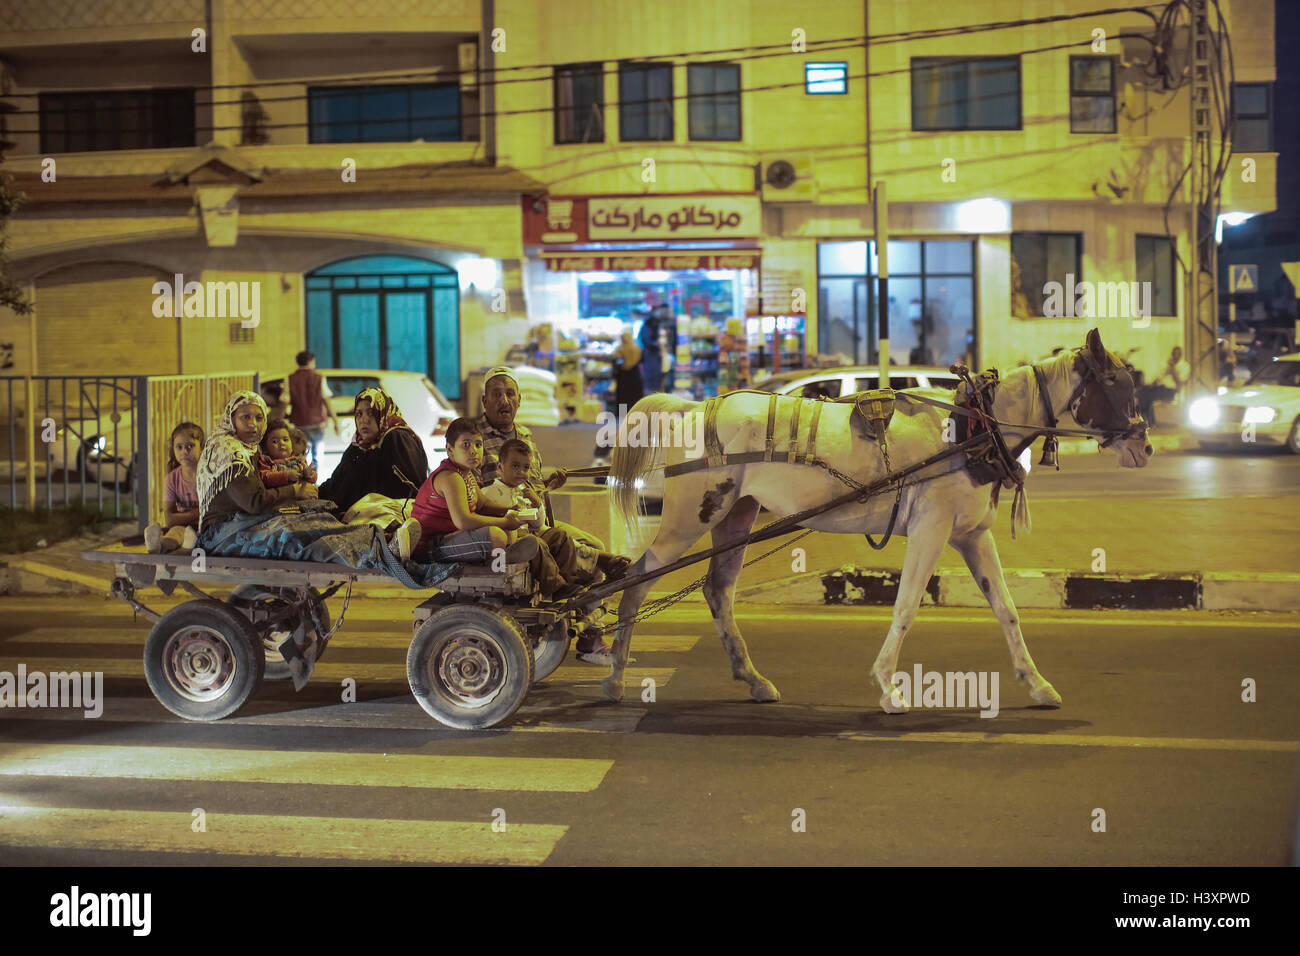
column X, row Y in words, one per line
column 1089, row 383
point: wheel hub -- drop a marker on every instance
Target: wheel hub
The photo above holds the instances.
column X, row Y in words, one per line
column 470, row 668
column 199, row 663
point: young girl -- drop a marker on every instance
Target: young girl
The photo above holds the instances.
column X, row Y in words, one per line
column 458, row 526
column 180, row 495
column 279, row 464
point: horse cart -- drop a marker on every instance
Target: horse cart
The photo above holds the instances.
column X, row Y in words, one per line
column 477, row 647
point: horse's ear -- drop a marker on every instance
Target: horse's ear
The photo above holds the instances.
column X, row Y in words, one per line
column 1095, row 347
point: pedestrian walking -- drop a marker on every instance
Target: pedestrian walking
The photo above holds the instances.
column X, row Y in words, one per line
column 309, row 401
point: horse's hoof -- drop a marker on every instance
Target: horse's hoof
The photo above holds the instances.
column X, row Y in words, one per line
column 893, row 703
column 613, row 689
column 1046, row 695
column 764, row 692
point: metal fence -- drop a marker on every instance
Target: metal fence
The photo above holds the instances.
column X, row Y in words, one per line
column 68, row 438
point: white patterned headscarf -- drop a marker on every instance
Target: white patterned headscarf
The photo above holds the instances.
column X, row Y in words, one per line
column 225, row 457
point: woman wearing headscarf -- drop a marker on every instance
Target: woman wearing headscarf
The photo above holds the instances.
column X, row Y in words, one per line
column 241, row 517
column 385, row 458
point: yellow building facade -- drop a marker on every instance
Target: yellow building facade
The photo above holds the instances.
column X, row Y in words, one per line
column 512, row 173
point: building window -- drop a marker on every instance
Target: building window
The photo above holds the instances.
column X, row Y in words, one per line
column 821, row 78
column 117, row 119
column 1092, row 94
column 645, row 94
column 1038, row 258
column 1155, row 264
column 1252, row 113
column 952, row 93
column 713, row 92
column 931, row 290
column 384, row 114
column 580, row 103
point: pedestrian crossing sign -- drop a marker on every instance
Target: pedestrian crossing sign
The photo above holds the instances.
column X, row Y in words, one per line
column 1243, row 278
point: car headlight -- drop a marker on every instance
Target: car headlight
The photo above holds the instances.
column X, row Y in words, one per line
column 1259, row 415
column 1204, row 412
column 97, row 444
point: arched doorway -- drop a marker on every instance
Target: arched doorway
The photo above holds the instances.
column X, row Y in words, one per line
column 387, row 312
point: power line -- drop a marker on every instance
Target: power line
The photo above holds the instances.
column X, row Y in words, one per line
column 485, row 114
column 782, row 49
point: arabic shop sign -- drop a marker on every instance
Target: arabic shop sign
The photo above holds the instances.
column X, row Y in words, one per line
column 673, row 217
column 651, row 261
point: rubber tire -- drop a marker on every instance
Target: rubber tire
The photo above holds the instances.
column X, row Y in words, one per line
column 238, row 634
column 517, row 656
column 277, row 668
column 1293, row 439
column 550, row 652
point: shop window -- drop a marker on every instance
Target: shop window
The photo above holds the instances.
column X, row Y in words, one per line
column 826, row 78
column 645, row 95
column 956, row 93
column 1155, row 264
column 714, row 100
column 390, row 113
column 1092, row 94
column 116, row 119
column 1252, row 114
column 1038, row 258
column 579, row 92
column 931, row 290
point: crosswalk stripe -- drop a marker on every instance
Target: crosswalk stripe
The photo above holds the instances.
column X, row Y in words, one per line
column 335, row 768
column 246, row 834
column 363, row 715
column 378, row 671
column 1049, row 739
column 648, row 643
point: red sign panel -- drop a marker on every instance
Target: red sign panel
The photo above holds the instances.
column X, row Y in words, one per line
column 650, row 261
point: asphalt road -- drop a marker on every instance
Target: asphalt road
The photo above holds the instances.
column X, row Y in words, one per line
column 1153, row 732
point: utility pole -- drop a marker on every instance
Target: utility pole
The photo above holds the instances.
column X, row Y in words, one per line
column 1202, row 325
column 880, row 209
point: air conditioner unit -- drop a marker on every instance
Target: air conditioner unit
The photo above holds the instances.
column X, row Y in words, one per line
column 786, row 180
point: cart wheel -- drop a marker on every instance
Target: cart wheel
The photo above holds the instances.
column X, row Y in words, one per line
column 550, row 651
column 202, row 660
column 256, row 603
column 469, row 666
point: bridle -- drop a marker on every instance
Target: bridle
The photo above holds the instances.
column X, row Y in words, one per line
column 1094, row 403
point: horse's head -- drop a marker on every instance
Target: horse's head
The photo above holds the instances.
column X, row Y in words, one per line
column 1105, row 400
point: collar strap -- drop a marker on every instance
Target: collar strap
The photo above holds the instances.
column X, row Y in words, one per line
column 1043, row 396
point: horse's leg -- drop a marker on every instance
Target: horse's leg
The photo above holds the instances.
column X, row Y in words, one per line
column 924, row 545
column 981, row 554
column 666, row 549
column 720, row 593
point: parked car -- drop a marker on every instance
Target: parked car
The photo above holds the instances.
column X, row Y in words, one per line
column 1270, row 401
column 425, row 409
column 838, row 382
column 97, row 440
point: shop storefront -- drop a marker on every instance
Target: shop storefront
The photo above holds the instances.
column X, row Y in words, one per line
column 689, row 266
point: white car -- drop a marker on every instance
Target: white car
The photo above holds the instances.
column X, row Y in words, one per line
column 840, row 382
column 98, row 438
column 423, row 407
column 1270, row 402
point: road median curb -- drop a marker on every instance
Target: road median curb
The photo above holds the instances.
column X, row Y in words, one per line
column 1041, row 588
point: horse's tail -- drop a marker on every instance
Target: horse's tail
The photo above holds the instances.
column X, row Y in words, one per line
column 630, row 462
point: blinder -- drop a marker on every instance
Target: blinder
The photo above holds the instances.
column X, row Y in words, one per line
column 1106, row 399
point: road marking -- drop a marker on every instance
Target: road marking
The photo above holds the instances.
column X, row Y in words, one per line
column 1048, row 739
column 363, row 715
column 885, row 615
column 331, row 768
column 247, row 834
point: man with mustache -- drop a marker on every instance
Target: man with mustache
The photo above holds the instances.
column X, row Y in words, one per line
column 501, row 398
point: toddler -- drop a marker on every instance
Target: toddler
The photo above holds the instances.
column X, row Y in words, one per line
column 180, row 495
column 278, row 464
